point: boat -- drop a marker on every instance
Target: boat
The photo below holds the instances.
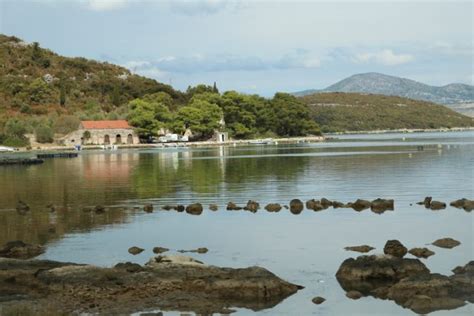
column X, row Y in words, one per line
column 267, row 141
column 6, row 149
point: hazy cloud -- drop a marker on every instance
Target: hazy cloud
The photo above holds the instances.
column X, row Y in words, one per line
column 384, row 57
column 225, row 62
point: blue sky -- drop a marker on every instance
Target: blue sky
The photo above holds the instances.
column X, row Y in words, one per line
column 256, row 46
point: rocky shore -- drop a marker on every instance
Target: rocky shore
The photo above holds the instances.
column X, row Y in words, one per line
column 165, row 282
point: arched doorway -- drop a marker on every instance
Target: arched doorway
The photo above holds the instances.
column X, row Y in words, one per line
column 107, row 140
column 118, row 139
column 130, row 139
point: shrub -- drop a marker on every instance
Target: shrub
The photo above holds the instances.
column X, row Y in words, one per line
column 44, row 134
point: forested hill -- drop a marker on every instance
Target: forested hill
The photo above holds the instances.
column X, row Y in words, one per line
column 45, row 94
column 34, row 80
column 337, row 112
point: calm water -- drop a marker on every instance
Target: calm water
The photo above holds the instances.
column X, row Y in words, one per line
column 306, row 249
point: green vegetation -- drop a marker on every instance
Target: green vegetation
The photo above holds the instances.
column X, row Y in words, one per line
column 49, row 94
column 338, row 112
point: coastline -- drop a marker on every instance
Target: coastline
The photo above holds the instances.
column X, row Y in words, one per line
column 403, row 130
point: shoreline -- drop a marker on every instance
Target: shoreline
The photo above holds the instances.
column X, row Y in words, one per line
column 287, row 140
column 403, row 130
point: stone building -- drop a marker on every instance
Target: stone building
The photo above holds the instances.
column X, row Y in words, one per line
column 102, row 133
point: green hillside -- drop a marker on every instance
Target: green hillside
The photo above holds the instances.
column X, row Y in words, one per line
column 46, row 94
column 337, row 112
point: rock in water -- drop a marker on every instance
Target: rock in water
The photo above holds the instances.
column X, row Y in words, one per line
column 326, row 203
column 421, row 252
column 437, row 205
column 252, row 206
column 194, row 209
column 99, row 209
column 22, row 207
column 337, row 204
column 446, row 243
column 213, row 207
column 360, row 205
column 273, row 207
column 231, row 206
column 467, row 205
column 381, row 205
column 148, row 208
column 296, row 206
column 395, row 248
column 363, row 248
column 318, row 300
column 159, row 250
column 355, row 295
column 426, row 202
column 314, row 205
column 135, row 250
column 19, row 250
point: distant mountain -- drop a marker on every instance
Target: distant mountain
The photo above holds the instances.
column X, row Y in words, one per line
column 376, row 83
column 339, row 112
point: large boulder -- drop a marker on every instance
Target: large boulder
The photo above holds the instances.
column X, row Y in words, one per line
column 296, row 206
column 20, row 250
column 426, row 293
column 367, row 273
column 194, row 209
column 395, row 248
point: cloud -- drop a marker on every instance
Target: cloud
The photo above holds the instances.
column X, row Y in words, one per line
column 198, row 7
column 104, row 5
column 224, row 62
column 384, row 57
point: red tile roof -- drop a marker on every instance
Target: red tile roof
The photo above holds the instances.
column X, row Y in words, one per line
column 118, row 124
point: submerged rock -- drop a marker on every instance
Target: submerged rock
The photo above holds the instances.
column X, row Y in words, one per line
column 363, row 248
column 252, row 206
column 273, row 207
column 296, row 206
column 421, row 252
column 198, row 250
column 99, row 209
column 213, row 207
column 318, row 300
column 148, row 208
column 135, row 250
column 22, row 207
column 446, row 243
column 194, row 209
column 395, row 248
column 20, row 250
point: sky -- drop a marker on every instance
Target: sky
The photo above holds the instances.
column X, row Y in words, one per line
column 256, row 46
